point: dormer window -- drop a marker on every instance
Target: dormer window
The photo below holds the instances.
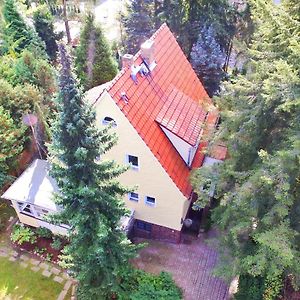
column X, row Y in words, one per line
column 108, row 121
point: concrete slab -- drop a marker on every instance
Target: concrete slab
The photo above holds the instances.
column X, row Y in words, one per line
column 65, row 276
column 35, row 269
column 24, row 257
column 23, row 264
column 58, row 279
column 55, row 271
column 68, row 285
column 34, row 262
column 44, row 266
column 12, row 258
column 62, row 295
column 46, row 273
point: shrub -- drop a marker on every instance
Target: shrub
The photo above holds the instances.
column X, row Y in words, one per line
column 48, row 257
column 56, row 244
column 44, row 232
column 38, row 250
column 138, row 285
column 21, row 234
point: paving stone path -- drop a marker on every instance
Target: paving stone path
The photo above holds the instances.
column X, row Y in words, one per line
column 190, row 263
column 48, row 270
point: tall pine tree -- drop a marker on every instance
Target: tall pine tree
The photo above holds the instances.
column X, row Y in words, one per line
column 258, row 186
column 90, row 194
column 93, row 58
column 43, row 23
column 139, row 24
column 16, row 31
column 207, row 60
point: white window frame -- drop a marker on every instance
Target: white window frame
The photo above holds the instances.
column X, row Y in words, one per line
column 150, row 203
column 112, row 121
column 134, row 167
column 135, row 199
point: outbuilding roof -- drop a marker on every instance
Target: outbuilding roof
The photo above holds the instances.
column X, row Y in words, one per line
column 171, row 96
column 34, row 186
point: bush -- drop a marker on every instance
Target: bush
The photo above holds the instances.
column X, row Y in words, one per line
column 44, row 232
column 38, row 250
column 21, row 234
column 56, row 244
column 250, row 288
column 48, row 257
column 138, row 285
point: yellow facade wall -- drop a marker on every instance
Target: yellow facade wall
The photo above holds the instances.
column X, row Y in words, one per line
column 150, row 179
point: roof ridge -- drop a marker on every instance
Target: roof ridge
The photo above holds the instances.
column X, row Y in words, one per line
column 123, row 70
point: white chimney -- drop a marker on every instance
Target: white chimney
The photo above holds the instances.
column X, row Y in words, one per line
column 147, row 52
column 127, row 60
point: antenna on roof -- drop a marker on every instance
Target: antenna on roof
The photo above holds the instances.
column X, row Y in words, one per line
column 124, row 97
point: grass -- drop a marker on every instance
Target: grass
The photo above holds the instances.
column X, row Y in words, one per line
column 22, row 283
column 6, row 211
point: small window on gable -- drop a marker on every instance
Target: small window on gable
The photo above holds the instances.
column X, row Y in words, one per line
column 133, row 196
column 150, row 201
column 109, row 120
column 133, row 160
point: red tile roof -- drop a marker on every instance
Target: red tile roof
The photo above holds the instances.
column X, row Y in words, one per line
column 170, row 96
column 182, row 116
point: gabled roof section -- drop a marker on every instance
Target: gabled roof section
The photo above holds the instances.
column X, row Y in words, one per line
column 182, row 116
column 172, row 86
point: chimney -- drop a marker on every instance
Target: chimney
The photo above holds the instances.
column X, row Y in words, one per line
column 127, row 60
column 147, row 51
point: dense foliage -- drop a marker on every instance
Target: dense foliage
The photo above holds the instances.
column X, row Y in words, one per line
column 43, row 23
column 27, row 81
column 138, row 284
column 17, row 34
column 93, row 60
column 138, row 24
column 12, row 140
column 258, row 186
column 207, row 60
column 91, row 196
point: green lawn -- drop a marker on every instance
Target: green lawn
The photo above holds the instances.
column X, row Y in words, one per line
column 25, row 284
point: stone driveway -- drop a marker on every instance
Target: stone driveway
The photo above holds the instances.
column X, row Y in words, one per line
column 190, row 263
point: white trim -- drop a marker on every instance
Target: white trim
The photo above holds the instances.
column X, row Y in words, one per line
column 112, row 121
column 133, row 198
column 150, row 203
column 133, row 167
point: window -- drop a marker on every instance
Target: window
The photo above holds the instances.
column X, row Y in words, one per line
column 133, row 160
column 109, row 120
column 133, row 196
column 143, row 225
column 150, row 201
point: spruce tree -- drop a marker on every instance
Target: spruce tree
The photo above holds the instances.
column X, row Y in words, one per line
column 16, row 31
column 43, row 23
column 139, row 24
column 12, row 141
column 90, row 194
column 258, row 186
column 207, row 59
column 93, row 60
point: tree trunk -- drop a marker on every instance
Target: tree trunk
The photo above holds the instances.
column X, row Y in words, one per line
column 66, row 22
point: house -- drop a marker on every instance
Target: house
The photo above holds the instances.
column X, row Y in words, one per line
column 161, row 114
column 32, row 196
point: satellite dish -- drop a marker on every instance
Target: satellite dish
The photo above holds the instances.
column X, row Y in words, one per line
column 188, row 223
column 29, row 119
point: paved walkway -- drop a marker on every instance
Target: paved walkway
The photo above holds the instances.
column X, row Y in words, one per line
column 190, row 262
column 46, row 269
